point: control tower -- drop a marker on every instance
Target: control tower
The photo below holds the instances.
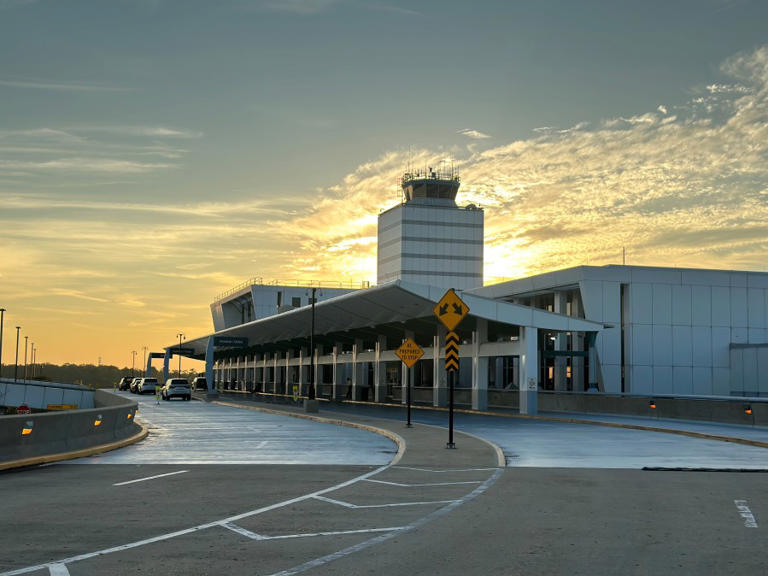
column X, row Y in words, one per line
column 428, row 239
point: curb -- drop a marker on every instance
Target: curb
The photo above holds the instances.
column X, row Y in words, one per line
column 82, row 453
column 641, row 427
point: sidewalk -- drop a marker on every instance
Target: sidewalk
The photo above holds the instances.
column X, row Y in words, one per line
column 748, row 435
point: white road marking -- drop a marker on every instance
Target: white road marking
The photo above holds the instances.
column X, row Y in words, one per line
column 197, row 528
column 384, row 537
column 58, row 570
column 254, row 536
column 359, row 506
column 243, row 531
column 150, row 478
column 443, row 471
column 431, row 484
column 746, row 514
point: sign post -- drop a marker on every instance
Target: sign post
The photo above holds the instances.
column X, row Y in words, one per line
column 451, row 310
column 409, row 352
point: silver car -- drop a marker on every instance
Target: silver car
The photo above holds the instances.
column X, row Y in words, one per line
column 146, row 386
column 176, row 387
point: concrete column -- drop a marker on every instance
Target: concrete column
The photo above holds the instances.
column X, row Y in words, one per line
column 276, row 376
column 338, row 385
column 479, row 367
column 529, row 368
column 166, row 360
column 591, row 339
column 577, row 363
column 380, row 372
column 439, row 375
column 289, row 382
column 317, row 376
column 209, row 350
column 357, row 380
column 561, row 344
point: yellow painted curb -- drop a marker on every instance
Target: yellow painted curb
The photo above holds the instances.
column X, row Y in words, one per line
column 396, row 438
column 82, row 453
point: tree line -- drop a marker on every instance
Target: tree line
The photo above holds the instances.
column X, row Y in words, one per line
column 91, row 375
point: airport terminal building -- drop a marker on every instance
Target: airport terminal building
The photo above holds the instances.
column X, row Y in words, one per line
column 590, row 329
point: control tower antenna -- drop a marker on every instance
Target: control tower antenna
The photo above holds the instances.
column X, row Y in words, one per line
column 440, row 183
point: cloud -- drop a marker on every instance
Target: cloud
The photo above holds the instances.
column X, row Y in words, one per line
column 86, row 165
column 61, row 86
column 300, row 7
column 566, row 197
column 77, row 294
column 474, row 134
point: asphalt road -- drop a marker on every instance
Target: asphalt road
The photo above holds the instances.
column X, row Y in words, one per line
column 436, row 511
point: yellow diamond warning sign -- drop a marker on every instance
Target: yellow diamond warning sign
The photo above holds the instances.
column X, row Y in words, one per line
column 409, row 352
column 451, row 310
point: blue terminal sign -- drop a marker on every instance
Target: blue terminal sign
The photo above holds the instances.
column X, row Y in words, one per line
column 229, row 341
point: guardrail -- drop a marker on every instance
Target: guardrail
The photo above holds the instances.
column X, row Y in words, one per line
column 54, row 433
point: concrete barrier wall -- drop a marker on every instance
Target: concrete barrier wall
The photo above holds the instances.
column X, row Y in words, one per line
column 39, row 395
column 725, row 410
column 57, row 432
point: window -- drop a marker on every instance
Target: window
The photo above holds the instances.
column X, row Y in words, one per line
column 296, row 301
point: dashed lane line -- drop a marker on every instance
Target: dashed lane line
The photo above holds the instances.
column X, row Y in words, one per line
column 746, row 514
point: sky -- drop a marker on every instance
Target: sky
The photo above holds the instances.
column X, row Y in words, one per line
column 154, row 153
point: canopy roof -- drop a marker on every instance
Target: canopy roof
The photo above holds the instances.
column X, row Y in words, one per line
column 390, row 310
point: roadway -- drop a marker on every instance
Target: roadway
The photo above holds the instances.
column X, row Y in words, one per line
column 205, row 495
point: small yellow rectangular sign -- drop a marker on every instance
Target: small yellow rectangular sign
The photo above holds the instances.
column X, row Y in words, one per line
column 409, row 352
column 61, row 407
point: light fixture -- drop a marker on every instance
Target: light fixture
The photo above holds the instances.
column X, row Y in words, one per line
column 27, row 429
column 748, row 410
column 652, row 404
column 130, row 415
column 97, row 422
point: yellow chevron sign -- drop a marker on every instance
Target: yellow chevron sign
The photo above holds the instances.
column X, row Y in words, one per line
column 450, row 310
column 451, row 352
column 409, row 352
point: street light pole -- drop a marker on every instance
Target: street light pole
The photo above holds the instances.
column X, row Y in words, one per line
column 32, row 358
column 16, row 364
column 311, row 389
column 2, row 317
column 180, row 336
column 144, row 366
column 26, row 341
column 133, row 363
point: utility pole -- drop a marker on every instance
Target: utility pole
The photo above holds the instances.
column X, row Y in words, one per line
column 26, row 339
column 180, row 336
column 16, row 364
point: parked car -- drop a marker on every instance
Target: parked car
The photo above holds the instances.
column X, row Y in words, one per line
column 176, row 387
column 125, row 383
column 134, row 386
column 146, row 386
column 199, row 383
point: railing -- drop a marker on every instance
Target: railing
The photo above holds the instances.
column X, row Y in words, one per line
column 259, row 281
